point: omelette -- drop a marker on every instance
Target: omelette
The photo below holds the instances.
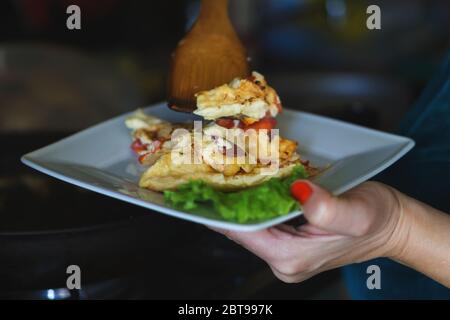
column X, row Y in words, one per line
column 227, row 151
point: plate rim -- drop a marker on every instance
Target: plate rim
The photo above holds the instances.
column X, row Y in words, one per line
column 30, row 160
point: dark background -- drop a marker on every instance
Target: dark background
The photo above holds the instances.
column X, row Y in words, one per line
column 318, row 54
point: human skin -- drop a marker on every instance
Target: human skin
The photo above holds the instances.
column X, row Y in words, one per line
column 370, row 221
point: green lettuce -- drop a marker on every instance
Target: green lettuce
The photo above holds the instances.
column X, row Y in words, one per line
column 267, row 200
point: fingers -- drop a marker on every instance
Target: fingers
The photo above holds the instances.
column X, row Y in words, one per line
column 257, row 241
column 272, row 245
column 351, row 214
column 292, row 278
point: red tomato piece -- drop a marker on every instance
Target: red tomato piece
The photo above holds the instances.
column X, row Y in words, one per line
column 265, row 123
column 138, row 146
column 225, row 122
column 142, row 158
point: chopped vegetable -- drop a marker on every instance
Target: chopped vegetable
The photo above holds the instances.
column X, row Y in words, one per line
column 265, row 123
column 138, row 146
column 267, row 200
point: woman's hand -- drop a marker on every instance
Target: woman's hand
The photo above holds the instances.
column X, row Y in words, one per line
column 365, row 222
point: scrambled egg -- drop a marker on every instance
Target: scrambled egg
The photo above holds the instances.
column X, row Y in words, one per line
column 221, row 159
column 152, row 134
column 139, row 120
column 166, row 175
column 241, row 98
column 213, row 165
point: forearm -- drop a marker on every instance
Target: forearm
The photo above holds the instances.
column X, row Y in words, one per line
column 426, row 240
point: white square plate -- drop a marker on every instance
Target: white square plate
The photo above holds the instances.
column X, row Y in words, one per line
column 100, row 159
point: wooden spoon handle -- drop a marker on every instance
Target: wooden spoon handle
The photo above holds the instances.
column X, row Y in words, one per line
column 210, row 55
column 214, row 7
column 214, row 16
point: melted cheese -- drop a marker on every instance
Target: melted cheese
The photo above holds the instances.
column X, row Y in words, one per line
column 251, row 98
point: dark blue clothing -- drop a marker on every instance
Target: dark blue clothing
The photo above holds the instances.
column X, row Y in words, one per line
column 423, row 174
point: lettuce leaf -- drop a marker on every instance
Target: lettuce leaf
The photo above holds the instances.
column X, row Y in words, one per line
column 267, row 200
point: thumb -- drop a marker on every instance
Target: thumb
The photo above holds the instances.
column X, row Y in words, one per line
column 346, row 215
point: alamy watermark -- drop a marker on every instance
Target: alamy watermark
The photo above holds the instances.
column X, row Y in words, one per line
column 218, row 146
column 74, row 279
column 374, row 20
column 73, row 22
column 374, row 280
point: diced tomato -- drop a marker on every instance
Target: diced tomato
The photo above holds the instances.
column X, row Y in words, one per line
column 225, row 122
column 265, row 123
column 138, row 146
column 142, row 158
column 151, row 149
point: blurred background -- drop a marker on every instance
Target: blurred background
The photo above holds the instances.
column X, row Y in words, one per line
column 319, row 56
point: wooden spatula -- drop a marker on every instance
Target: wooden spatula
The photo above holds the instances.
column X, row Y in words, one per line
column 208, row 56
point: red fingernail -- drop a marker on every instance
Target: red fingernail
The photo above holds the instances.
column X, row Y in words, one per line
column 301, row 191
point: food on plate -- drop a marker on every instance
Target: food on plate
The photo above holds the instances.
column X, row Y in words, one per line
column 151, row 136
column 267, row 200
column 248, row 99
column 235, row 160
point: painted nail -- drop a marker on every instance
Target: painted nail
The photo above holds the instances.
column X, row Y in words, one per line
column 301, row 191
